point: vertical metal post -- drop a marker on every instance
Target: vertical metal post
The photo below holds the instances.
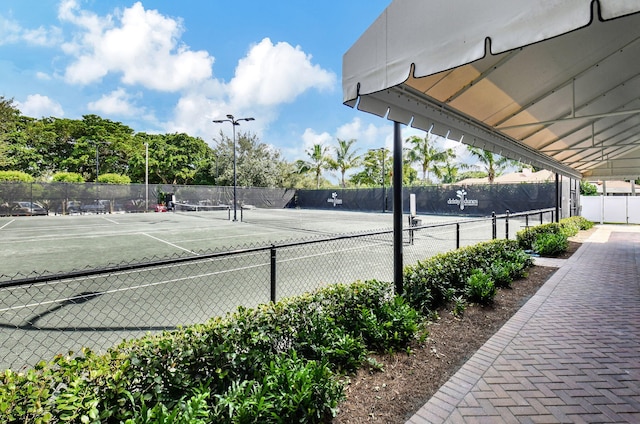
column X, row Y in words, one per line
column 146, row 177
column 273, row 273
column 457, row 235
column 526, row 221
column 235, row 181
column 397, row 208
column 506, row 225
column 541, row 218
column 557, row 197
column 494, row 226
column 383, row 188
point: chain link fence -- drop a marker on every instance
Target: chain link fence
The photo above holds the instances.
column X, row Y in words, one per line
column 79, row 198
column 45, row 315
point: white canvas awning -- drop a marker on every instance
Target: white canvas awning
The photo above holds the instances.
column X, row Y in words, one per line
column 555, row 83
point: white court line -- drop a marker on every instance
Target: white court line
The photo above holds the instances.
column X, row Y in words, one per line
column 110, row 220
column 10, row 222
column 170, row 244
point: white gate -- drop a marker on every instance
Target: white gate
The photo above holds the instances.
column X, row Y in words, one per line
column 611, row 209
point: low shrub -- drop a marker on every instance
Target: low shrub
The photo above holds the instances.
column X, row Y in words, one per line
column 528, row 236
column 501, row 274
column 480, row 287
column 434, row 281
column 550, row 244
column 580, row 222
column 569, row 227
column 274, row 363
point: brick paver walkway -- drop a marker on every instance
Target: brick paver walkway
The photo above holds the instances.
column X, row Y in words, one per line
column 570, row 355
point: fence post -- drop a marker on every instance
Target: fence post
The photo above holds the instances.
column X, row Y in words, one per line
column 526, row 221
column 541, row 219
column 494, row 227
column 457, row 235
column 273, row 273
column 506, row 225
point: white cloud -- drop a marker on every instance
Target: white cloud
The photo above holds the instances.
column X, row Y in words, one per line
column 368, row 136
column 267, row 77
column 37, row 106
column 117, row 103
column 141, row 45
column 43, row 76
column 275, row 74
column 310, row 138
column 12, row 32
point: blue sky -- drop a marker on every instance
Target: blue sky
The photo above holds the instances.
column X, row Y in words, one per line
column 164, row 66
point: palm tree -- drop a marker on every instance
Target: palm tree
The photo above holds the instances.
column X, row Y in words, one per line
column 425, row 153
column 492, row 164
column 450, row 172
column 318, row 160
column 345, row 158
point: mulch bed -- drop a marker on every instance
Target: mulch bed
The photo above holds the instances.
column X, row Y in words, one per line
column 410, row 379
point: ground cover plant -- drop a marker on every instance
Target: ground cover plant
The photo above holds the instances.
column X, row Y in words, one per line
column 279, row 362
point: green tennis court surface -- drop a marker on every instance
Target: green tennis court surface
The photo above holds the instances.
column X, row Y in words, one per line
column 52, row 244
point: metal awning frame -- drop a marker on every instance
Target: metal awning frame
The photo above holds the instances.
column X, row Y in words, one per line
column 397, row 103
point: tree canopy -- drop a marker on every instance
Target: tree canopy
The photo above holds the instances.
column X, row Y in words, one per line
column 97, row 149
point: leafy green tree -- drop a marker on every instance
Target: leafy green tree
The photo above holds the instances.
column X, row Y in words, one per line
column 99, row 146
column 427, row 155
column 16, row 176
column 319, row 160
column 471, row 174
column 588, row 189
column 67, row 177
column 257, row 164
column 493, row 164
column 372, row 175
column 114, row 179
column 345, row 159
column 450, row 172
column 9, row 115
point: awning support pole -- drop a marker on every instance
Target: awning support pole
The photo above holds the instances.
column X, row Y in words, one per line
column 397, row 208
column 557, row 197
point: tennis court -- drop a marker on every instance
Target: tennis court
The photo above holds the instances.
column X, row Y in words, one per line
column 60, row 243
column 38, row 320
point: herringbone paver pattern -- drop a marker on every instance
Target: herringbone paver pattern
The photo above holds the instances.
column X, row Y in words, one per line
column 570, row 355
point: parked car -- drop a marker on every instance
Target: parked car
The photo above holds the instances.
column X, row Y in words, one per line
column 73, row 207
column 26, row 209
column 98, row 206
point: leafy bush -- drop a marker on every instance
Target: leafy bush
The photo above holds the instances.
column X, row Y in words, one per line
column 569, row 227
column 67, row 177
column 550, row 244
column 580, row 222
column 114, row 179
column 16, row 176
column 273, row 363
column 501, row 274
column 588, row 189
column 480, row 287
column 528, row 236
column 434, row 281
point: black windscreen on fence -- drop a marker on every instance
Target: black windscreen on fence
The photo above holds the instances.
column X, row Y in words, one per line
column 477, row 200
column 89, row 197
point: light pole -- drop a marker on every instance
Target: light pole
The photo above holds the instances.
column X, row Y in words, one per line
column 234, row 122
column 382, row 151
column 146, row 177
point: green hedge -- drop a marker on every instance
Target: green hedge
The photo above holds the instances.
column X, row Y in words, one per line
column 434, row 281
column 278, row 362
column 547, row 239
column 274, row 363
